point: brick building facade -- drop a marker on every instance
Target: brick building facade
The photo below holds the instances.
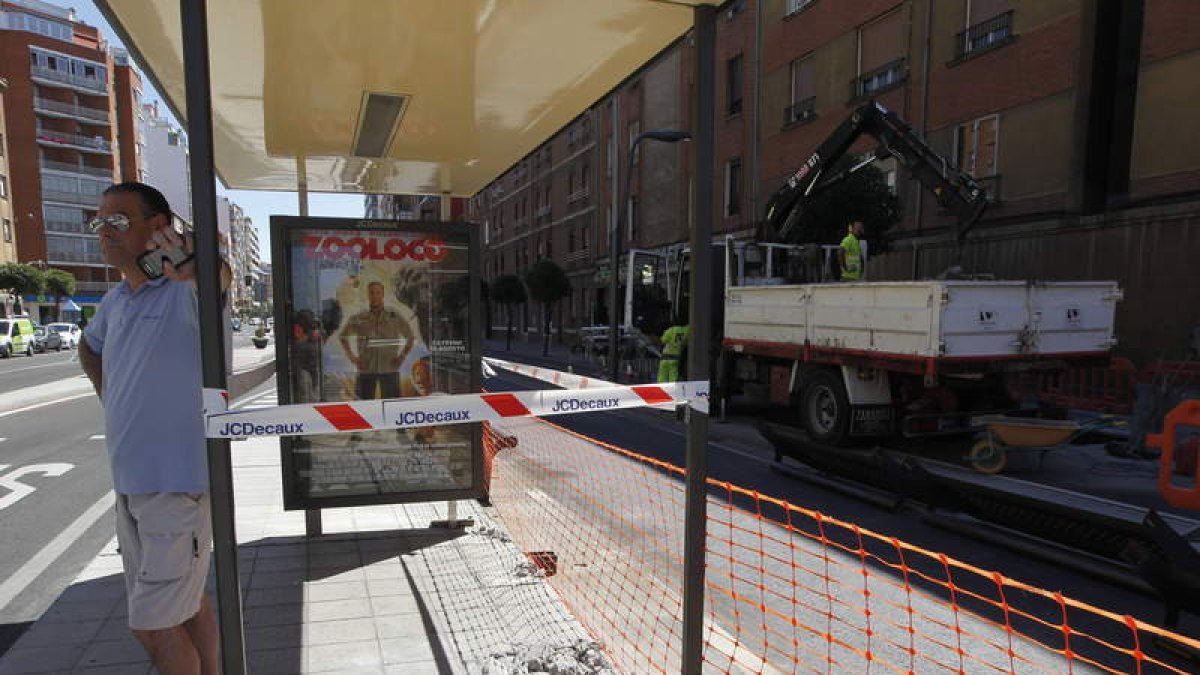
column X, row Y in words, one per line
column 71, row 106
column 1075, row 115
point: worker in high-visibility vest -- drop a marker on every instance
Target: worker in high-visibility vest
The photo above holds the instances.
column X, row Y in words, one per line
column 674, row 340
column 850, row 255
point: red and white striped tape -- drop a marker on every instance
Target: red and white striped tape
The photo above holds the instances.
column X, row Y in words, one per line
column 329, row 418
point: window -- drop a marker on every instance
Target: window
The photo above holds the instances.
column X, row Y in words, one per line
column 988, row 24
column 794, row 6
column 733, row 187
column 977, row 147
column 3, row 187
column 733, row 85
column 804, row 92
column 8, row 235
column 571, row 241
column 635, row 130
column 882, row 63
column 631, row 217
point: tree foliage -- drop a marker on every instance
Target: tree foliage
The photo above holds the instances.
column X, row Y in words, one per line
column 59, row 283
column 864, row 196
column 547, row 283
column 508, row 291
column 19, row 279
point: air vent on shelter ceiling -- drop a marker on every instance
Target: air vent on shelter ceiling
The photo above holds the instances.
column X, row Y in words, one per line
column 378, row 119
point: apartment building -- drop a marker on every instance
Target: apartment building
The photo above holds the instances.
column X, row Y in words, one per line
column 71, row 107
column 163, row 149
column 1075, row 116
column 410, row 207
column 8, row 239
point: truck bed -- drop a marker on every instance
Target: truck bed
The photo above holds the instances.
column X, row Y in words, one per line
column 941, row 320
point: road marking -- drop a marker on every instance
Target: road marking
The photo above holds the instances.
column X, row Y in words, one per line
column 41, row 561
column 17, row 489
column 43, row 365
column 96, row 437
column 3, row 439
column 46, row 403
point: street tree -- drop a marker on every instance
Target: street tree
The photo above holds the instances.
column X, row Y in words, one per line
column 17, row 279
column 508, row 291
column 864, row 195
column 59, row 283
column 548, row 284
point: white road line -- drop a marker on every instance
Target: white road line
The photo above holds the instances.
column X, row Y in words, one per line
column 41, row 561
column 43, row 365
column 3, row 439
column 96, row 437
column 46, row 403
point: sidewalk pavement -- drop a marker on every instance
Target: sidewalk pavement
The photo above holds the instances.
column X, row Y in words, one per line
column 379, row 592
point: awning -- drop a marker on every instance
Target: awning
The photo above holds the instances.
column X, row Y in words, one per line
column 68, row 305
column 485, row 81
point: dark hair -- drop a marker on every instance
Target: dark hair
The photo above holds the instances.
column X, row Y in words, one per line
column 153, row 201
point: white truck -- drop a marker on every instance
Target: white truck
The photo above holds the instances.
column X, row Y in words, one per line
column 914, row 357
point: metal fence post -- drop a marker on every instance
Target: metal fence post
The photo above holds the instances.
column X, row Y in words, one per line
column 700, row 319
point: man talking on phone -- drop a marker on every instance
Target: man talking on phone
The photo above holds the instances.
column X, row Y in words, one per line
column 142, row 354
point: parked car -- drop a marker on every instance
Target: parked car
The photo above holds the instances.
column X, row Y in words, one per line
column 44, row 340
column 236, row 324
column 254, row 321
column 16, row 337
column 69, row 332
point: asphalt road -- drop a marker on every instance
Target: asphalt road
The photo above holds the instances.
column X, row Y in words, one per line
column 55, row 485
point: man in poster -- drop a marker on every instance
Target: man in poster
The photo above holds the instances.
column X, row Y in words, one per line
column 383, row 341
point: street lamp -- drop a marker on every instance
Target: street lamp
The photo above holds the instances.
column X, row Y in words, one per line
column 614, row 244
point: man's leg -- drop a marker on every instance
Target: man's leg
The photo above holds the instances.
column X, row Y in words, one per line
column 171, row 650
column 366, row 386
column 389, row 386
column 202, row 628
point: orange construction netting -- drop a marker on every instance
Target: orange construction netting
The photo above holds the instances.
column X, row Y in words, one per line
column 788, row 589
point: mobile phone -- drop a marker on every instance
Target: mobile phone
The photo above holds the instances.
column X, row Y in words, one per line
column 151, row 262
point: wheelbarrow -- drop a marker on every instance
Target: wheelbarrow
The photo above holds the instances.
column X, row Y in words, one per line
column 1004, row 435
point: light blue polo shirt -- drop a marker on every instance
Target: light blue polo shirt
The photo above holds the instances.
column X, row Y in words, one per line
column 149, row 343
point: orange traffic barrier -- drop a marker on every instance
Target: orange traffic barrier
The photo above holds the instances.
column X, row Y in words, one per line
column 1186, row 414
column 788, row 588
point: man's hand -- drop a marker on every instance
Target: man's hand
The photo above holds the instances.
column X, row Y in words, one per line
column 168, row 240
column 92, row 366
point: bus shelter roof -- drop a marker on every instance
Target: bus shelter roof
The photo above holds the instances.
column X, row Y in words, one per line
column 395, row 96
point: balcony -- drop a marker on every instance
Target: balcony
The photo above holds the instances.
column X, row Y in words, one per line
column 60, row 109
column 75, row 141
column 575, row 257
column 94, row 287
column 98, row 172
column 68, row 226
column 578, row 195
column 881, row 79
column 50, row 77
column 92, row 201
column 984, row 36
column 800, row 112
column 74, row 257
column 542, row 211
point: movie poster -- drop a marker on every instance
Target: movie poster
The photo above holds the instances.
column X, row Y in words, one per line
column 376, row 310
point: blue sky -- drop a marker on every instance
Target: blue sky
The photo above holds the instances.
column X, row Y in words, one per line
column 260, row 206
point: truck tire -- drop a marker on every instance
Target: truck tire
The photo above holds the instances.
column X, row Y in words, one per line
column 825, row 408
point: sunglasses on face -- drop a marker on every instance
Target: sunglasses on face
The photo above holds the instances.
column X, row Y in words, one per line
column 118, row 221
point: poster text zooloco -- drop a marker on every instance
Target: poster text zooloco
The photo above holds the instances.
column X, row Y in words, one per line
column 369, row 248
column 377, row 310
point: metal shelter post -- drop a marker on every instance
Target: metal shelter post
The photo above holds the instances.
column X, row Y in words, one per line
column 194, row 25
column 312, row 517
column 700, row 335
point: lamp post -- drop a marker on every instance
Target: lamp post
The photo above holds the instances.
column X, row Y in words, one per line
column 614, row 245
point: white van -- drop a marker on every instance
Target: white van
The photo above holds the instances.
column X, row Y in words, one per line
column 16, row 337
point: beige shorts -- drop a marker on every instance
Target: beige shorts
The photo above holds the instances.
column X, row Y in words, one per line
column 166, row 542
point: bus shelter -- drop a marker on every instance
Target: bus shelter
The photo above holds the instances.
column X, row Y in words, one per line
column 404, row 97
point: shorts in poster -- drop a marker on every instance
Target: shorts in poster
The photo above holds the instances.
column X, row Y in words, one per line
column 376, row 313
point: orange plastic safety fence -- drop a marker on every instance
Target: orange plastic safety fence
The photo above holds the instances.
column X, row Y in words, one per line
column 788, row 589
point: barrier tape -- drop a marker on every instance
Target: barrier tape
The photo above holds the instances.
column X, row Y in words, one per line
column 407, row 413
column 573, row 381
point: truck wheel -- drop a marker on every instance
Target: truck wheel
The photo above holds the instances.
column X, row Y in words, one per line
column 986, row 457
column 825, row 408
column 5, row 351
